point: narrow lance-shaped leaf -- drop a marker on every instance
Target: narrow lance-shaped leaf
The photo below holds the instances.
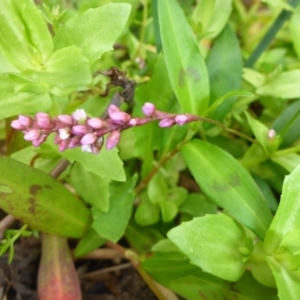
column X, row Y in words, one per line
column 228, row 184
column 95, row 31
column 186, row 67
column 287, row 216
column 24, row 37
column 40, row 201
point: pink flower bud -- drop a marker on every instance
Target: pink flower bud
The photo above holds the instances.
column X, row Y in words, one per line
column 112, row 109
column 167, row 122
column 271, row 134
column 43, row 120
column 40, row 140
column 80, row 129
column 66, row 119
column 79, row 115
column 16, row 124
column 88, row 139
column 95, row 123
column 75, row 142
column 139, row 121
column 32, row 134
column 113, row 139
column 25, row 121
column 63, row 145
column 120, row 117
column 181, row 119
column 149, row 109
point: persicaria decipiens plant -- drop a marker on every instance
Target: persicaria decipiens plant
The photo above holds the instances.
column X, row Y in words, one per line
column 79, row 130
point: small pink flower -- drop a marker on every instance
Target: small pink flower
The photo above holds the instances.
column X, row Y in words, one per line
column 32, row 134
column 113, row 109
column 75, row 142
column 167, row 122
column 88, row 139
column 80, row 129
column 271, row 134
column 86, row 148
column 25, row 121
column 149, row 109
column 79, row 115
column 43, row 120
column 181, row 119
column 66, row 119
column 64, row 133
column 120, row 117
column 113, row 140
column 16, row 124
column 95, row 123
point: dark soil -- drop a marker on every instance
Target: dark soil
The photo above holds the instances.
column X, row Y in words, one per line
column 18, row 279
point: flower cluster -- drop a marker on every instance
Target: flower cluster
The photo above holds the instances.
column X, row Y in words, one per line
column 80, row 130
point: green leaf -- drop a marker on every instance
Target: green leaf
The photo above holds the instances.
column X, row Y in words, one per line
column 261, row 133
column 92, row 188
column 287, row 217
column 288, row 283
column 228, row 184
column 212, row 15
column 89, row 242
column 95, row 31
column 40, row 201
column 289, row 161
column 25, row 39
column 66, row 70
column 168, row 266
column 147, row 213
column 168, row 211
column 212, row 243
column 14, row 102
column 186, row 68
column 201, row 285
column 287, row 124
column 112, row 225
column 294, row 26
column 157, row 189
column 284, row 85
column 106, row 164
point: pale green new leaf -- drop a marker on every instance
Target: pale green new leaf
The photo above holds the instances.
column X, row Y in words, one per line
column 213, row 16
column 284, row 85
column 66, row 70
column 212, row 243
column 24, row 37
column 228, row 184
column 288, row 282
column 294, row 30
column 14, row 102
column 95, row 31
column 186, row 67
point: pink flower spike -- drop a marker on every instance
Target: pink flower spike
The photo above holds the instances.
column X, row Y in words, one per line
column 149, row 109
column 167, row 122
column 43, row 120
column 88, row 139
column 113, row 140
column 64, row 133
column 79, row 115
column 16, row 124
column 181, row 119
column 139, row 121
column 86, row 148
column 25, row 121
column 66, row 119
column 32, row 134
column 95, row 123
column 120, row 117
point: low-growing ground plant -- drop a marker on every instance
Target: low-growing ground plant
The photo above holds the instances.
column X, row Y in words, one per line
column 172, row 125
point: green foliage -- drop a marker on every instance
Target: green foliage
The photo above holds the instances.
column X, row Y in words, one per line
column 208, row 210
